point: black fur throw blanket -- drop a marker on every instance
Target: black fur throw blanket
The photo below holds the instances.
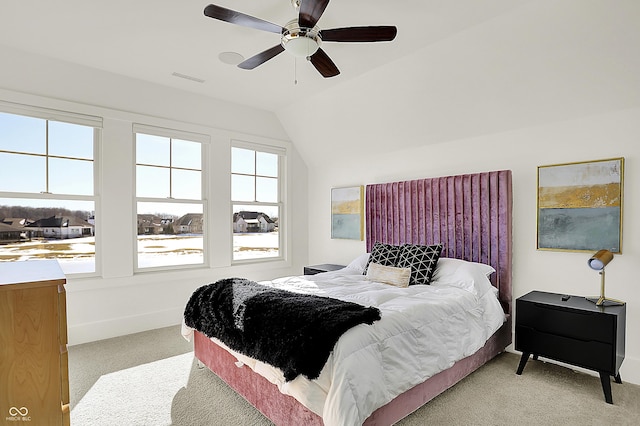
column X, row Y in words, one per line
column 291, row 331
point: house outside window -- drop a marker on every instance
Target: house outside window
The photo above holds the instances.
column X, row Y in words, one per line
column 170, row 206
column 47, row 186
column 257, row 206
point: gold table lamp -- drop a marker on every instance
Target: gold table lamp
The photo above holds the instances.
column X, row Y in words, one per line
column 597, row 262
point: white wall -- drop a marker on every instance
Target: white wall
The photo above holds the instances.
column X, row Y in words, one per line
column 118, row 301
column 522, row 151
column 544, row 62
column 550, row 82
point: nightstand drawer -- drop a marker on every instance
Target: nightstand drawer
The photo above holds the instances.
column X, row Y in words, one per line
column 318, row 269
column 568, row 322
column 583, row 353
column 574, row 330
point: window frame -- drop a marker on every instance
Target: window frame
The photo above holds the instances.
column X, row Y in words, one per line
column 280, row 203
column 204, row 141
column 96, row 123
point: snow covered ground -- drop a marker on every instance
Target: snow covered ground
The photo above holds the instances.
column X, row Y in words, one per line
column 78, row 255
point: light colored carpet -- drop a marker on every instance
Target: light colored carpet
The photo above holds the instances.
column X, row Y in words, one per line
column 137, row 395
column 151, row 379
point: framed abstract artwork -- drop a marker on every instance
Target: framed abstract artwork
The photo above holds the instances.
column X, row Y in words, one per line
column 580, row 206
column 347, row 213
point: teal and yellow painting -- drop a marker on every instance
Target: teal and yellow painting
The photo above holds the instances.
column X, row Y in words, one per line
column 580, row 206
column 347, row 219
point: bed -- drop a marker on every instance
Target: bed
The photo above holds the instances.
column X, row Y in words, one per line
column 470, row 217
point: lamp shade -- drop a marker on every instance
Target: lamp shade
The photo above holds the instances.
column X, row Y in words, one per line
column 599, row 260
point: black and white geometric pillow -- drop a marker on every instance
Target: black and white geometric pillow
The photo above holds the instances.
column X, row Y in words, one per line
column 421, row 259
column 383, row 254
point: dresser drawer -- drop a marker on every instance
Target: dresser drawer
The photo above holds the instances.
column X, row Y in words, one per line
column 568, row 322
column 583, row 353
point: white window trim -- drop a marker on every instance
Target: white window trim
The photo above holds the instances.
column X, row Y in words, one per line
column 205, row 141
column 283, row 231
column 171, row 133
column 51, row 114
column 71, row 118
column 256, row 146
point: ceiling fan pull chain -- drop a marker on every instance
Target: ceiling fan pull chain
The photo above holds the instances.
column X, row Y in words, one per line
column 295, row 71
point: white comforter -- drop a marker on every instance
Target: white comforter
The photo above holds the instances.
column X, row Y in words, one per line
column 424, row 329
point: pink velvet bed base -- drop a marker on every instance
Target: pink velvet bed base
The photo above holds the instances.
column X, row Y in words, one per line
column 284, row 410
column 471, row 215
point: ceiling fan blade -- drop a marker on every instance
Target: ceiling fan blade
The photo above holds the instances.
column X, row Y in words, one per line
column 310, row 12
column 233, row 17
column 324, row 64
column 261, row 57
column 360, row 34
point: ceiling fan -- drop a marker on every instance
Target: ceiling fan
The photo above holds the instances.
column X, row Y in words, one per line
column 301, row 37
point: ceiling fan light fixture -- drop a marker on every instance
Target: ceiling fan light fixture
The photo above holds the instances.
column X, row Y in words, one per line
column 300, row 42
column 301, row 37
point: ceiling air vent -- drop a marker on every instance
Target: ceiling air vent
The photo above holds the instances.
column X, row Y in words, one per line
column 187, row 77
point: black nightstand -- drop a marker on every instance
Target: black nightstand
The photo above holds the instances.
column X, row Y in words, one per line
column 573, row 330
column 325, row 267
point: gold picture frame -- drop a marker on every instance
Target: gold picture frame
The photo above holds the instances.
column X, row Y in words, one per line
column 347, row 213
column 579, row 206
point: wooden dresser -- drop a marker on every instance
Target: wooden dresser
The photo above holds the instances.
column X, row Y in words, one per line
column 34, row 376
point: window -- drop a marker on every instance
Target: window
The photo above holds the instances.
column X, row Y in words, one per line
column 256, row 194
column 47, row 186
column 170, row 207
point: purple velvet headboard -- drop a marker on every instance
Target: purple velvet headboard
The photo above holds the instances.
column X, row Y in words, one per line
column 469, row 214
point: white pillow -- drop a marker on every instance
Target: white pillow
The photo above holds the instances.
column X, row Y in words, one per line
column 469, row 276
column 359, row 263
column 398, row 277
column 448, row 266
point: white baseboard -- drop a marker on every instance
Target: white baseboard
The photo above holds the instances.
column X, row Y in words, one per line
column 99, row 330
column 629, row 371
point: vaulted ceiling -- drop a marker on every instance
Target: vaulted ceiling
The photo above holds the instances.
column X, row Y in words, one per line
column 153, row 39
column 457, row 68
